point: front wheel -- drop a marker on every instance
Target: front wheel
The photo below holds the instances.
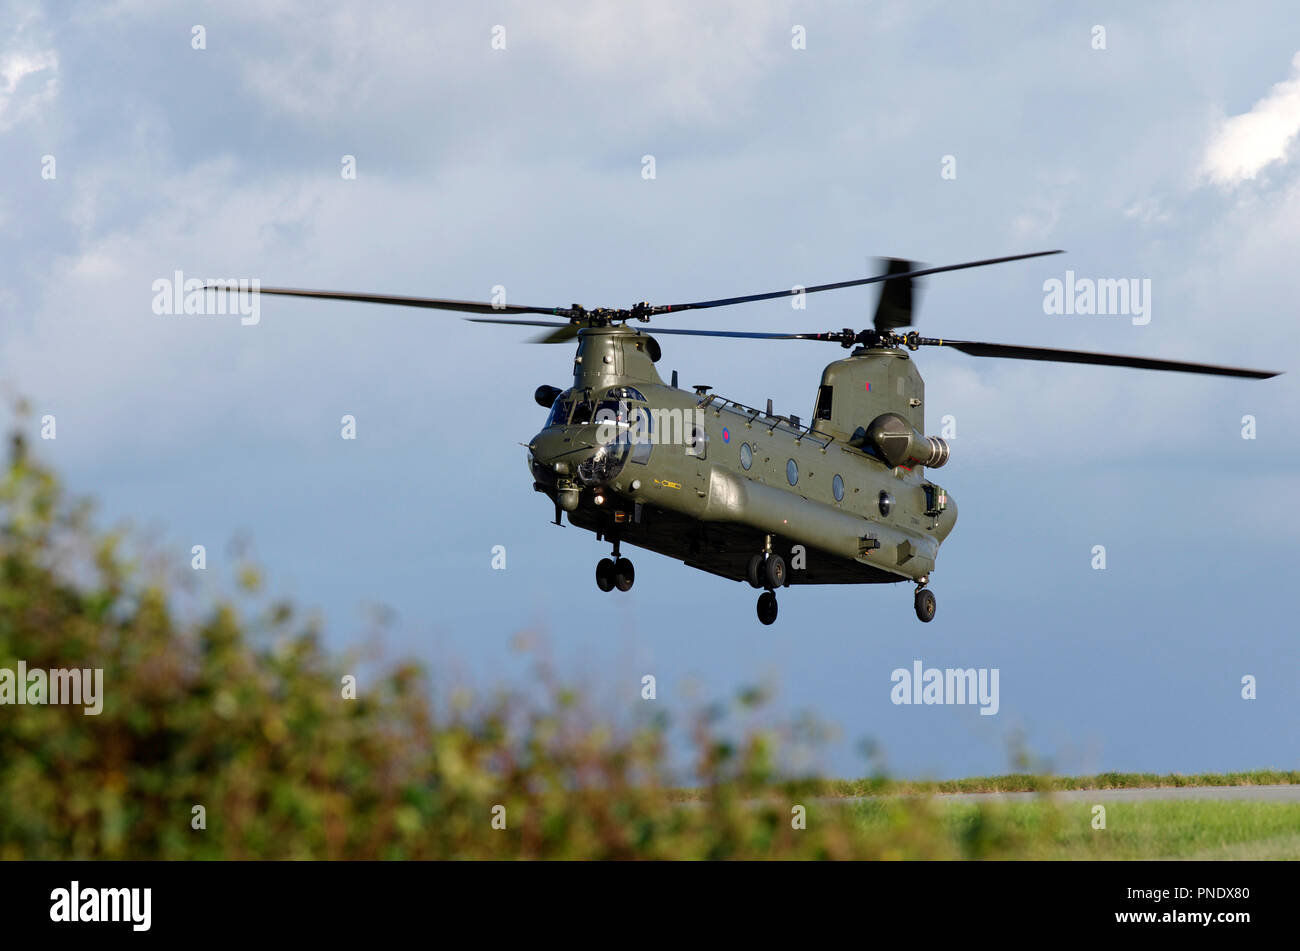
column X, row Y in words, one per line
column 925, row 605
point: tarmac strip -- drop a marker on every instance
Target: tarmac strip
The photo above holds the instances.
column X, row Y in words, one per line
column 1278, row 793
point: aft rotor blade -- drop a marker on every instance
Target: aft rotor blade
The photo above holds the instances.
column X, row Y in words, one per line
column 922, row 272
column 897, row 297
column 431, row 303
column 1010, row 351
column 1051, row 355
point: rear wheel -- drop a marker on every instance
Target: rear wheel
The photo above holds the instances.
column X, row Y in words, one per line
column 774, row 571
column 624, row 574
column 767, row 607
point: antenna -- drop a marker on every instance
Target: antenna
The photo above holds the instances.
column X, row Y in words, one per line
column 769, row 407
column 674, row 379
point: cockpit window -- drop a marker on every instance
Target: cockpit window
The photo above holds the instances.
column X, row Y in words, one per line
column 613, row 411
column 582, row 412
column 615, row 407
column 560, row 409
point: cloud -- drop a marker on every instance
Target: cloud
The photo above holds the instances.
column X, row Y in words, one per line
column 670, row 60
column 15, row 66
column 1246, row 143
column 522, row 168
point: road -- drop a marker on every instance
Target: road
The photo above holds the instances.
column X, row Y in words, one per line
column 1281, row 793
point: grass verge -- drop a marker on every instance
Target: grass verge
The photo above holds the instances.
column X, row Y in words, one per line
column 1039, row 829
column 1019, row 782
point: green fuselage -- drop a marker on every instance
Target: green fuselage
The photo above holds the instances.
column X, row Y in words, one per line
column 708, row 481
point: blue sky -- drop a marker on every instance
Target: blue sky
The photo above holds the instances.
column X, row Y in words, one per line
column 1170, row 155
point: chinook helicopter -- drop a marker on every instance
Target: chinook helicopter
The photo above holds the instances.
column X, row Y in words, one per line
column 741, row 492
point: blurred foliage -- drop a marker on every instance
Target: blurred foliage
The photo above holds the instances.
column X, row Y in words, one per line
column 241, row 711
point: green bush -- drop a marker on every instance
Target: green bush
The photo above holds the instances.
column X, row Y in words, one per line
column 241, row 711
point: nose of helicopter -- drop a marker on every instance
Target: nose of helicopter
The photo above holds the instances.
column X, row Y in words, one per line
column 556, row 452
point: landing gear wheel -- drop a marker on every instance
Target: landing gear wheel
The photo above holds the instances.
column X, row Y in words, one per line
column 925, row 604
column 755, row 573
column 774, row 573
column 767, row 607
column 605, row 575
column 624, row 574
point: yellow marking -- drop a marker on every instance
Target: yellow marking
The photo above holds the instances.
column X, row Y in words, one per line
column 668, row 485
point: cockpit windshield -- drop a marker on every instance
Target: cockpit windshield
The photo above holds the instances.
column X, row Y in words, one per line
column 616, row 407
column 582, row 411
column 560, row 410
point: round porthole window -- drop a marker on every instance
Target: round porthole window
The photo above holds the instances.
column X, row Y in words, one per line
column 746, row 455
column 792, row 472
column 886, row 503
column 837, row 486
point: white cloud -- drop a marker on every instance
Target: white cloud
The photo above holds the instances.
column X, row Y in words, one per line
column 670, row 59
column 1246, row 143
column 15, row 66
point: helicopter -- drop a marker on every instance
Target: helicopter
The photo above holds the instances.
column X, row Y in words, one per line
column 746, row 494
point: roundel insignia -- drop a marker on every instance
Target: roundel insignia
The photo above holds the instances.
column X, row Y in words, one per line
column 726, row 436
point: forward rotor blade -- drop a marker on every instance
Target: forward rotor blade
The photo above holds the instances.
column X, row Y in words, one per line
column 561, row 332
column 743, row 334
column 431, row 303
column 566, row 332
column 902, row 276
column 1051, row 355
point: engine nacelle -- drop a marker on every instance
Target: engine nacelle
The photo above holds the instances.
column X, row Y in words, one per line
column 899, row 444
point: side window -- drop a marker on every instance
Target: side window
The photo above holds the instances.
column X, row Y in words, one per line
column 698, row 444
column 613, row 411
column 823, row 410
column 641, row 434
